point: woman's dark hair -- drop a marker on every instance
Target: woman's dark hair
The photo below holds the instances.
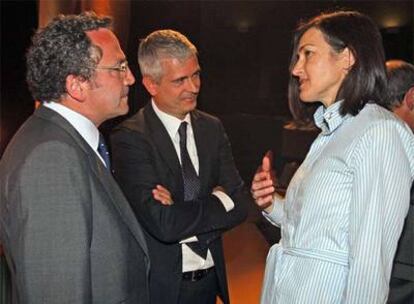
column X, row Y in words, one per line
column 60, row 49
column 366, row 80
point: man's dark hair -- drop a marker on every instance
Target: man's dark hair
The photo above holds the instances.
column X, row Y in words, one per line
column 366, row 80
column 60, row 49
column 400, row 80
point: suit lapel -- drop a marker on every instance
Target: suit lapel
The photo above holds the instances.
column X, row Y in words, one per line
column 200, row 131
column 102, row 175
column 162, row 140
column 118, row 200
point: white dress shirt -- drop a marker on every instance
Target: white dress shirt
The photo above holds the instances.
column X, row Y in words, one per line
column 191, row 261
column 82, row 125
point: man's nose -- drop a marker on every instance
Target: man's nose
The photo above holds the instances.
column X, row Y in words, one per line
column 193, row 85
column 129, row 78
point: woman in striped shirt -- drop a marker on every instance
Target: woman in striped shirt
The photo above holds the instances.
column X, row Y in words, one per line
column 344, row 208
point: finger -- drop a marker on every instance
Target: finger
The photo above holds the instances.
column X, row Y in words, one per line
column 161, row 188
column 259, row 176
column 262, row 184
column 161, row 197
column 163, row 191
column 263, row 192
column 265, row 202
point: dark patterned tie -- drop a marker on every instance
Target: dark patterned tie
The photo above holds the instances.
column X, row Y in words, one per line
column 191, row 182
column 190, row 178
column 103, row 152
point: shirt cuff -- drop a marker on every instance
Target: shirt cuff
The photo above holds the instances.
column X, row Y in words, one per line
column 189, row 240
column 227, row 202
column 276, row 215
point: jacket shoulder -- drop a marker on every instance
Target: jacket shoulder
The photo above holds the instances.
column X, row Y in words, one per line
column 206, row 117
column 136, row 123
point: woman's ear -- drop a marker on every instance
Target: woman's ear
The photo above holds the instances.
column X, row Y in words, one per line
column 348, row 59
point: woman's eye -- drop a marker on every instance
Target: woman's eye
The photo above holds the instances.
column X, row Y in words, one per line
column 308, row 53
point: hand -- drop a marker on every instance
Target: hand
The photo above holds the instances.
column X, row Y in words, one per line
column 162, row 195
column 264, row 183
column 219, row 188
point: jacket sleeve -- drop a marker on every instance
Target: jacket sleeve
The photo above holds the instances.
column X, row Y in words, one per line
column 138, row 171
column 51, row 234
column 231, row 181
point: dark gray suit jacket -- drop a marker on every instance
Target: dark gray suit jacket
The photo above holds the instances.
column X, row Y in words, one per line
column 404, row 258
column 144, row 156
column 68, row 232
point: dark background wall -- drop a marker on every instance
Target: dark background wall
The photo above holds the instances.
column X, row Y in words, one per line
column 245, row 46
column 244, row 51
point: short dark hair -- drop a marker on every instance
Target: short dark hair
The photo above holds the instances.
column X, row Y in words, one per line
column 60, row 49
column 400, row 80
column 366, row 80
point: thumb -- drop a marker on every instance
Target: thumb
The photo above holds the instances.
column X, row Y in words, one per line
column 267, row 161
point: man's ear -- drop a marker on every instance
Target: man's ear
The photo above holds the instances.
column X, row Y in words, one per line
column 348, row 59
column 150, row 84
column 409, row 99
column 75, row 87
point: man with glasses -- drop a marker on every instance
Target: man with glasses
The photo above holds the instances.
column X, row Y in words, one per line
column 69, row 235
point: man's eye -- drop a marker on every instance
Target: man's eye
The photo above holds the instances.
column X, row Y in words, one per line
column 123, row 67
column 178, row 81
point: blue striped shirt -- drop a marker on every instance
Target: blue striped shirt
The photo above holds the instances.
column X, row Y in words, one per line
column 343, row 211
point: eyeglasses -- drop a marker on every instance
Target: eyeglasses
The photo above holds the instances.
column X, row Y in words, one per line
column 122, row 67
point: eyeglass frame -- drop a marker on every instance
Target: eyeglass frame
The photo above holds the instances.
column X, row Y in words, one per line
column 122, row 67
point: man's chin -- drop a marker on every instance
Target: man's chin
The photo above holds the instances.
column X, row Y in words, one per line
column 123, row 107
column 191, row 104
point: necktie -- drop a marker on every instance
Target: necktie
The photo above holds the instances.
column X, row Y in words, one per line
column 103, row 152
column 191, row 183
column 190, row 178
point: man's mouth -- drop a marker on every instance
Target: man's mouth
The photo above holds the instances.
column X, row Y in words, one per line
column 190, row 98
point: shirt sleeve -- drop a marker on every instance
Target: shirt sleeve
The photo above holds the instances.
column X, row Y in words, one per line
column 277, row 214
column 227, row 202
column 190, row 239
column 379, row 203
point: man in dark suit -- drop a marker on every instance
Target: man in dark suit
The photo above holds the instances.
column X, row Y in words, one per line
column 171, row 152
column 401, row 102
column 68, row 232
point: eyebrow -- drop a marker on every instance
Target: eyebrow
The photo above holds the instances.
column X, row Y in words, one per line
column 120, row 61
column 305, row 45
column 185, row 77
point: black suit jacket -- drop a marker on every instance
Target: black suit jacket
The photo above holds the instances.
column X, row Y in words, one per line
column 144, row 156
column 404, row 258
column 68, row 232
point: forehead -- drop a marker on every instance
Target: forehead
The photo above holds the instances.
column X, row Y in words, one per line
column 173, row 67
column 314, row 37
column 107, row 41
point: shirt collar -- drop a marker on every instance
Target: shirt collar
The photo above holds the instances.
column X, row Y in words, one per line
column 329, row 119
column 83, row 125
column 171, row 123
